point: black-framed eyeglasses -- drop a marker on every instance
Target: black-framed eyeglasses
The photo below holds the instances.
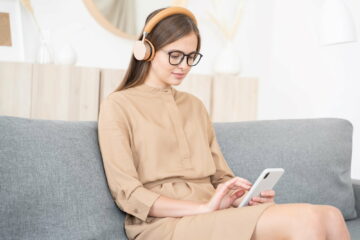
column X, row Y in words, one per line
column 176, row 57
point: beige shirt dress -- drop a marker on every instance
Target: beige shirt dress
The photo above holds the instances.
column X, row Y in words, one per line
column 161, row 142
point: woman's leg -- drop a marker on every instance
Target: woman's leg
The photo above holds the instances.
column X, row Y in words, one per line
column 300, row 221
column 334, row 223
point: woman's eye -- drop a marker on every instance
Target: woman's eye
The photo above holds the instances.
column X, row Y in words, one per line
column 175, row 56
column 193, row 56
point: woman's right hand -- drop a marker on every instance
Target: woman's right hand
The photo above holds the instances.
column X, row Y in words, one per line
column 226, row 193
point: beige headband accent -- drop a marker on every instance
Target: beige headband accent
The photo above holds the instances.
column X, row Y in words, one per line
column 165, row 13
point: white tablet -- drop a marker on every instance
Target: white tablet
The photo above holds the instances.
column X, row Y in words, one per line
column 266, row 181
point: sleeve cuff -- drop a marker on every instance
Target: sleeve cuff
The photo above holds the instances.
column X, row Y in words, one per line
column 141, row 201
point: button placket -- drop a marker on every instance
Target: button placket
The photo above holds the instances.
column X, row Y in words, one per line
column 175, row 117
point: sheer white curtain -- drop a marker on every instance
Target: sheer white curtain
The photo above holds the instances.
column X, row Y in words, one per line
column 120, row 13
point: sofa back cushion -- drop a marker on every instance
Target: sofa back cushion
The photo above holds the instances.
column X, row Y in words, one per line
column 315, row 153
column 52, row 182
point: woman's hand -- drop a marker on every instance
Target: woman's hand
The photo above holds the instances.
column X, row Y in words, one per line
column 265, row 196
column 226, row 193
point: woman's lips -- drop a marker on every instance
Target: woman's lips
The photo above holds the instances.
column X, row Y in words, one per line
column 179, row 75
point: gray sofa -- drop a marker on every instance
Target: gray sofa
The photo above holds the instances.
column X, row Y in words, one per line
column 52, row 183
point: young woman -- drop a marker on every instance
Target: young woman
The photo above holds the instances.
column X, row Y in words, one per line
column 162, row 161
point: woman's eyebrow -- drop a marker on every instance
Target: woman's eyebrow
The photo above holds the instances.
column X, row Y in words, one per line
column 178, row 50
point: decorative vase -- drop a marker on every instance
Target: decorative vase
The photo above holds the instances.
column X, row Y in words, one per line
column 45, row 54
column 228, row 61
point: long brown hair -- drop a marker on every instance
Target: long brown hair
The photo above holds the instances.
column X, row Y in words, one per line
column 165, row 32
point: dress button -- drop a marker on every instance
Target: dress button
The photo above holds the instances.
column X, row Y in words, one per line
column 135, row 210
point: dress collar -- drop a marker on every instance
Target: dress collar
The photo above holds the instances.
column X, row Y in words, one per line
column 146, row 88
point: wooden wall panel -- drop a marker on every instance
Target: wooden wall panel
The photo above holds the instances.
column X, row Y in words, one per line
column 61, row 92
column 15, row 89
column 64, row 92
column 110, row 80
column 234, row 99
column 200, row 86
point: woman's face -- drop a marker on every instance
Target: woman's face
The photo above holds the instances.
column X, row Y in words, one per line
column 162, row 74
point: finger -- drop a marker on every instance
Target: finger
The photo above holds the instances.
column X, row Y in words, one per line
column 252, row 203
column 260, row 199
column 238, row 180
column 224, row 188
column 270, row 193
column 236, row 195
column 243, row 183
column 232, row 184
column 230, row 181
column 243, row 180
column 221, row 188
column 243, row 186
column 235, row 183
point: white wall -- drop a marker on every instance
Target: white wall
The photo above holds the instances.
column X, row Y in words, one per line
column 277, row 42
column 306, row 80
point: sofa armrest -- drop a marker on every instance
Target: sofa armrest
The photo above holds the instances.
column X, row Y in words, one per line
column 356, row 186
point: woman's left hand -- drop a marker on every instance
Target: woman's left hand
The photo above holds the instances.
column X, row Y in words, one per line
column 265, row 197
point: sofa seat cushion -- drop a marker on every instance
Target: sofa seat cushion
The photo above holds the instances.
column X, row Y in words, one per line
column 354, row 228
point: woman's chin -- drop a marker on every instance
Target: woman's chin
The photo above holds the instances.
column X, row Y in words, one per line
column 176, row 81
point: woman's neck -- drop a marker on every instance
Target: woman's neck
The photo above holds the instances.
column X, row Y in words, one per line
column 153, row 81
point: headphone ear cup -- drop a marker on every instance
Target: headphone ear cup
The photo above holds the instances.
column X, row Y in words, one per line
column 144, row 50
column 151, row 49
column 141, row 50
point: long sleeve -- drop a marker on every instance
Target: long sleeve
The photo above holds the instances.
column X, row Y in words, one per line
column 223, row 171
column 115, row 144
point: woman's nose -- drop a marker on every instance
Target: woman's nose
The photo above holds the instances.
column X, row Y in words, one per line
column 183, row 64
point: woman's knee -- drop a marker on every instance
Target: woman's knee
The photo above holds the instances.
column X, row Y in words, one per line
column 334, row 222
column 332, row 215
column 304, row 222
column 290, row 221
column 311, row 219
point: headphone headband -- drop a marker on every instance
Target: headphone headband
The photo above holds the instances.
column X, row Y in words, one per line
column 165, row 13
